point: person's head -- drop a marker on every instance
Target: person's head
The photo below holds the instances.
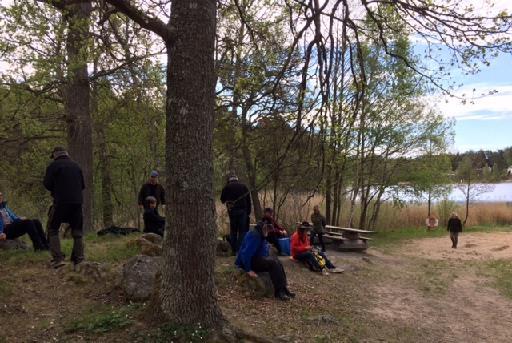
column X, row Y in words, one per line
column 59, row 151
column 151, row 201
column 454, row 215
column 303, row 228
column 268, row 213
column 232, row 178
column 153, row 177
column 316, row 209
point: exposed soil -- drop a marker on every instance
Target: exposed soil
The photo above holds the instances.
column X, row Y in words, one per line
column 472, row 246
column 464, row 308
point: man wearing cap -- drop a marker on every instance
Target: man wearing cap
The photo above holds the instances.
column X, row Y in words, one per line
column 237, row 198
column 152, row 189
column 65, row 181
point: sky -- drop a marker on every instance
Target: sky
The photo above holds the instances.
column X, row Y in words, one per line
column 485, row 123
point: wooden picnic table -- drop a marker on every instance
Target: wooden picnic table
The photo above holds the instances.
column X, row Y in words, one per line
column 348, row 239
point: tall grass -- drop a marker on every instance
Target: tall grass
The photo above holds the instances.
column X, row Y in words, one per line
column 298, row 207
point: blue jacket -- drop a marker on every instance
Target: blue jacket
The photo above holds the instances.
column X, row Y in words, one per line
column 254, row 244
column 10, row 213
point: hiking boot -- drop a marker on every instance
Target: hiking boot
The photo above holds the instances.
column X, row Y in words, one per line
column 282, row 296
column 56, row 264
column 325, row 272
column 77, row 266
column 336, row 270
column 288, row 293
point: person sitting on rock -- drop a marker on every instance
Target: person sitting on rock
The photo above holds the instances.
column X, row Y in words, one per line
column 302, row 251
column 153, row 222
column 253, row 257
column 276, row 232
column 12, row 227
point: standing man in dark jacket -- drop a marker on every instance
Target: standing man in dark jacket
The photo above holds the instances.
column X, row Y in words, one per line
column 65, row 180
column 454, row 226
column 152, row 189
column 237, row 198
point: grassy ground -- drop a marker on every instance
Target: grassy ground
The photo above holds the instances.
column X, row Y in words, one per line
column 391, row 295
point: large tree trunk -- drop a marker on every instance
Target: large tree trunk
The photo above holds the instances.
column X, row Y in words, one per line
column 188, row 289
column 106, row 179
column 77, row 99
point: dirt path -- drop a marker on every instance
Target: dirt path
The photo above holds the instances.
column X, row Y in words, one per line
column 438, row 290
column 473, row 246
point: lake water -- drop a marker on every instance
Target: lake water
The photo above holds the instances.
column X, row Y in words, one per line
column 500, row 192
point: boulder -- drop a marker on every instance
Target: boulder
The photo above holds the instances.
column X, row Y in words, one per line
column 139, row 277
column 223, row 248
column 147, row 247
column 13, row 244
column 258, row 287
column 153, row 238
column 151, row 249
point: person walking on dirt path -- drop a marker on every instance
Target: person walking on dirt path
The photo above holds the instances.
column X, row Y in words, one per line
column 454, row 226
column 319, row 223
column 152, row 188
column 12, row 227
column 237, row 198
column 65, row 181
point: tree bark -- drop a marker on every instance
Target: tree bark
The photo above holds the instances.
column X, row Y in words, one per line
column 188, row 292
column 77, row 99
column 106, row 179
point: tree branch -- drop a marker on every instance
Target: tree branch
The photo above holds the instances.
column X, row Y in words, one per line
column 155, row 25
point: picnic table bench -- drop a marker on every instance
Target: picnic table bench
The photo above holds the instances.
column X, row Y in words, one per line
column 348, row 239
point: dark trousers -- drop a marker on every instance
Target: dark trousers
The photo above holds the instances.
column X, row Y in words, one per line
column 454, row 236
column 310, row 260
column 71, row 214
column 274, row 267
column 238, row 227
column 320, row 239
column 32, row 228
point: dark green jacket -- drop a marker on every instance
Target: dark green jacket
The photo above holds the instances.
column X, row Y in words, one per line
column 318, row 222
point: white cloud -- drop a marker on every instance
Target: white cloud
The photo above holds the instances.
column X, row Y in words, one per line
column 483, row 102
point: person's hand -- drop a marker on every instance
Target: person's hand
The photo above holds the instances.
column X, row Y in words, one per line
column 23, row 218
column 3, row 236
column 252, row 274
column 284, row 233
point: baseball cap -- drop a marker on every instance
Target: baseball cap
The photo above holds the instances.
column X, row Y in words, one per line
column 58, row 151
column 154, row 173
